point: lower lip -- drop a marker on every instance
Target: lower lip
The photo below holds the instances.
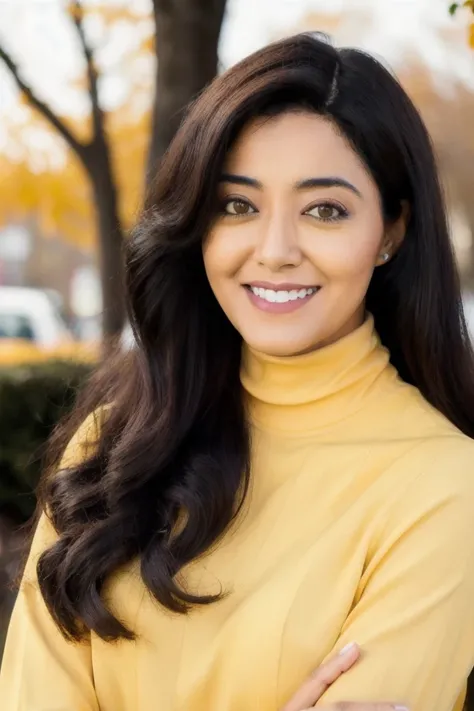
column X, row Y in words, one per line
column 278, row 307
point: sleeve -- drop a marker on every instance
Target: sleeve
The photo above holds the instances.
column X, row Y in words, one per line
column 41, row 670
column 414, row 613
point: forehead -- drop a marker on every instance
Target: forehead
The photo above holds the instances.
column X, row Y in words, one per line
column 295, row 145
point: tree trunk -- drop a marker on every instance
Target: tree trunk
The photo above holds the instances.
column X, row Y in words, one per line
column 467, row 276
column 187, row 37
column 110, row 239
column 463, row 188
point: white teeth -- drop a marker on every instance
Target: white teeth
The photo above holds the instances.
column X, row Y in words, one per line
column 281, row 296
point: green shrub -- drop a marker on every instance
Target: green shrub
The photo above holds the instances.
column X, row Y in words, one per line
column 32, row 399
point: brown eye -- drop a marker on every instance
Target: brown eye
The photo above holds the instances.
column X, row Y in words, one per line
column 327, row 212
column 238, row 207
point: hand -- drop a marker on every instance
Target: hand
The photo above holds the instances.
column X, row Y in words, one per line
column 313, row 688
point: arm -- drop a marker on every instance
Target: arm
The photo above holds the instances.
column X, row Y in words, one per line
column 42, row 671
column 414, row 613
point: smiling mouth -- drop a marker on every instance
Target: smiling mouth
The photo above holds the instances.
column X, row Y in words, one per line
column 282, row 296
column 279, row 300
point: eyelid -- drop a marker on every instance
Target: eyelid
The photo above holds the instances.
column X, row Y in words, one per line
column 327, row 201
column 237, row 198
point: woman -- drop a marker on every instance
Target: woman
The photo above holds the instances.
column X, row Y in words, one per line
column 283, row 464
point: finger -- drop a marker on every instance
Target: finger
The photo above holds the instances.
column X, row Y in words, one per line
column 354, row 706
column 321, row 679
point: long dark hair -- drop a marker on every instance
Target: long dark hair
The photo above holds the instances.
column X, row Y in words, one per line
column 170, row 467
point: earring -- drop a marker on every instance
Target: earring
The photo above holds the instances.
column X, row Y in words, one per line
column 385, row 257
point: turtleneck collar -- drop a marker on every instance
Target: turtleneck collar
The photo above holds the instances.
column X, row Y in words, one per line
column 313, row 390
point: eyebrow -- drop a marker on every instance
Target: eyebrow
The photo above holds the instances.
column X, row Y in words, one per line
column 307, row 184
column 329, row 182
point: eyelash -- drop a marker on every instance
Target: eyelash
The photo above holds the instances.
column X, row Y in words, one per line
column 229, row 200
column 343, row 212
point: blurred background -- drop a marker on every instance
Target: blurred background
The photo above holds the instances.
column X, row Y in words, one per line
column 90, row 95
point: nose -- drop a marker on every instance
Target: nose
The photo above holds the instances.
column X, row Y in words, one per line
column 278, row 246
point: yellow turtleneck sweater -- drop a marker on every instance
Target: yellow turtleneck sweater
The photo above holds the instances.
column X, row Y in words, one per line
column 359, row 526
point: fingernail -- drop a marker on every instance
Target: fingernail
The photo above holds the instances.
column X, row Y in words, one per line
column 348, row 648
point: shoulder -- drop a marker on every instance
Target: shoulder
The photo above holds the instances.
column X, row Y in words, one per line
column 81, row 446
column 406, row 412
column 445, row 461
column 427, row 517
column 435, row 489
column 428, row 450
column 85, row 439
column 435, row 467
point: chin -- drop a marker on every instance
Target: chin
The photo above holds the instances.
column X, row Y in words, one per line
column 281, row 348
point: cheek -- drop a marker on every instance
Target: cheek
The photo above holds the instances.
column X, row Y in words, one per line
column 223, row 255
column 349, row 253
column 223, row 258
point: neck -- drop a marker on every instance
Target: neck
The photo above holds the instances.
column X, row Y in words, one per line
column 315, row 389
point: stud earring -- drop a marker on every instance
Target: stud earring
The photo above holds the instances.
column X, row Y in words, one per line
column 385, row 257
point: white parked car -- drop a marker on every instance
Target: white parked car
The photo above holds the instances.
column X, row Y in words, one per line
column 32, row 315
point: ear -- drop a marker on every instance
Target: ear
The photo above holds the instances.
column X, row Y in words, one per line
column 394, row 235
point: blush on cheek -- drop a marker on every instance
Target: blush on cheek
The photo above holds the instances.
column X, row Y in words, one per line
column 222, row 253
column 352, row 260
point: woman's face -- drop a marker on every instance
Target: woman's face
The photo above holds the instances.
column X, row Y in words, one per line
column 299, row 233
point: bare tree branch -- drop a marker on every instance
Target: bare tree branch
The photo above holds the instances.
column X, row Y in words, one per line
column 92, row 76
column 41, row 106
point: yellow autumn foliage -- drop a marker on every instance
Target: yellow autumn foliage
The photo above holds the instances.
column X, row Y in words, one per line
column 108, row 13
column 60, row 198
column 58, row 193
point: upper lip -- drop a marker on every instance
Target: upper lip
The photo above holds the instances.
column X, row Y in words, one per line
column 280, row 287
